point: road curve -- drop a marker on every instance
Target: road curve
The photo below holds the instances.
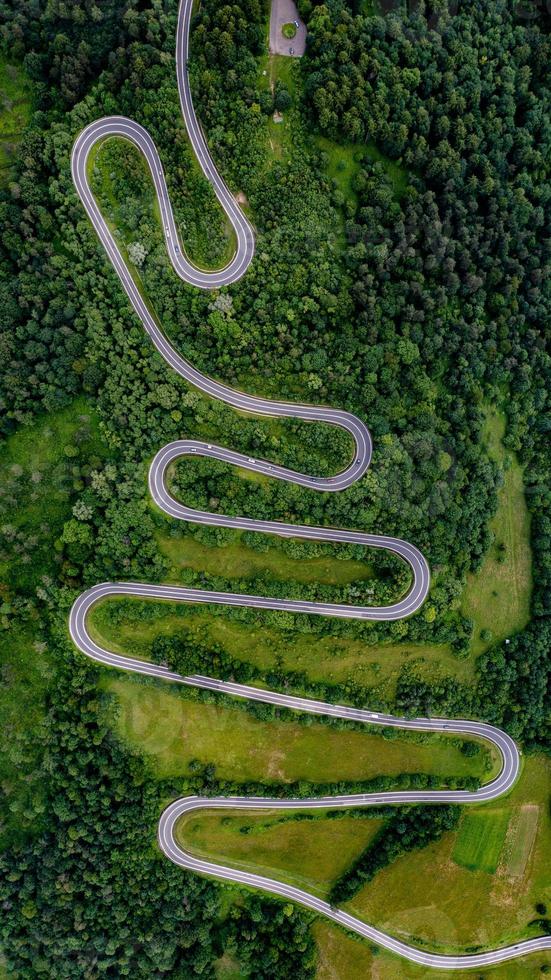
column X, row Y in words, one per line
column 119, row 126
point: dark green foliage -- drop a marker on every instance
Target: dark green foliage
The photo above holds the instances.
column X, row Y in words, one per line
column 92, row 896
column 272, row 941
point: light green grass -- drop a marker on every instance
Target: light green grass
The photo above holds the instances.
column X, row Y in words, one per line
column 521, row 835
column 280, row 136
column 227, row 967
column 426, row 896
column 497, row 597
column 480, row 839
column 239, row 561
column 15, row 110
column 289, row 31
column 397, row 176
column 310, row 854
column 345, row 957
column 171, row 731
column 344, row 162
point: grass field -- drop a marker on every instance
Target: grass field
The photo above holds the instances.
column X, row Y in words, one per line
column 343, row 163
column 521, row 835
column 172, row 731
column 497, row 598
column 239, row 561
column 427, row 896
column 343, row 957
column 280, row 135
column 480, row 839
column 306, row 853
column 226, row 967
column 15, row 110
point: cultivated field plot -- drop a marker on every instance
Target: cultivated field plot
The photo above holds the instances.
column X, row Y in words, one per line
column 480, row 840
column 428, row 896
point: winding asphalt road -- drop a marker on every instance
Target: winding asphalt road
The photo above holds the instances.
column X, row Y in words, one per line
column 118, row 126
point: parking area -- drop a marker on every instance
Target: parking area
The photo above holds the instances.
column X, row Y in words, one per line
column 285, row 12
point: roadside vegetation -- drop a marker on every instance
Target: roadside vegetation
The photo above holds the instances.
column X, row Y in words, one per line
column 15, row 111
column 497, row 598
column 340, row 956
column 309, row 851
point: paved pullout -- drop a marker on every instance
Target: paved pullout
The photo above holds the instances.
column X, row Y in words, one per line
column 127, row 129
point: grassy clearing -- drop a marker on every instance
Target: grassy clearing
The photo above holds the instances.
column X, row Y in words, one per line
column 15, row 110
column 276, row 68
column 239, row 561
column 226, row 967
column 40, row 468
column 336, row 659
column 396, row 175
column 521, row 836
column 343, row 162
column 480, row 839
column 342, row 165
column 307, row 853
column 344, row 957
column 172, row 731
column 497, row 597
column 428, row 897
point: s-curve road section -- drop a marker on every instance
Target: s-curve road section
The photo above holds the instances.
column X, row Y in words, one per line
column 120, row 127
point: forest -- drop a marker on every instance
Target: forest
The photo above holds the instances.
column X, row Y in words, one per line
column 414, row 293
